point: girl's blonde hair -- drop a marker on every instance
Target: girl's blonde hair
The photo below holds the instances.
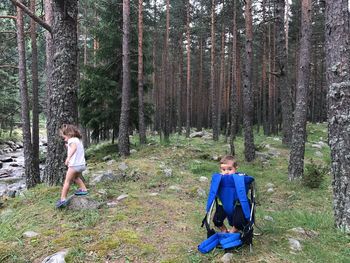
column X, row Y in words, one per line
column 70, row 131
column 229, row 158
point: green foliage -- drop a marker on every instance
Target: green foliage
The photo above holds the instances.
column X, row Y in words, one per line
column 101, row 86
column 314, row 174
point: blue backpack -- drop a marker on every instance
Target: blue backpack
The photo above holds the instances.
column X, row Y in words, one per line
column 232, row 190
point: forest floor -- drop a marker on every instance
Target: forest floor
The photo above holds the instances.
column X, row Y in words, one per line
column 165, row 227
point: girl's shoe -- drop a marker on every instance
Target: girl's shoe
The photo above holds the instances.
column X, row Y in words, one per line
column 81, row 192
column 61, row 203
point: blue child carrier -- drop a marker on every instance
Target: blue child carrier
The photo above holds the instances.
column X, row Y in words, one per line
column 233, row 191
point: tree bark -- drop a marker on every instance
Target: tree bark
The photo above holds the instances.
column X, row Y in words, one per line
column 35, row 91
column 27, row 144
column 214, row 95
column 281, row 73
column 233, row 93
column 141, row 111
column 249, row 148
column 337, row 34
column 123, row 140
column 188, row 72
column 62, row 99
column 296, row 160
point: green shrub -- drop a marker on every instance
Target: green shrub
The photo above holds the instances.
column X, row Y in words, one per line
column 314, row 175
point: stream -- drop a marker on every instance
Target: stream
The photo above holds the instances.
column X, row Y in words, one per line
column 12, row 179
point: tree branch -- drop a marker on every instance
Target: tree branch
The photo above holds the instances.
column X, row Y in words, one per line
column 11, row 17
column 32, row 15
column 9, row 66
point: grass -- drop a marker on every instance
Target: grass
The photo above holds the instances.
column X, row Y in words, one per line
column 166, row 227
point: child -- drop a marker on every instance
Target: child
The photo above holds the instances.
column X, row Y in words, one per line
column 228, row 167
column 75, row 162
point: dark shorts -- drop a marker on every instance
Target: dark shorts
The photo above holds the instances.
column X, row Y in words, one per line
column 238, row 217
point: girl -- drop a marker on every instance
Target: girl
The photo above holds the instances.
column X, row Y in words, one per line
column 75, row 162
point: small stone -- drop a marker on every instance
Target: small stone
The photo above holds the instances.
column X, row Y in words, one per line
column 30, row 234
column 270, row 190
column 153, row 194
column 111, row 204
column 110, row 162
column 294, row 244
column 226, row 258
column 175, row 187
column 316, row 146
column 319, row 154
column 168, row 172
column 123, row 166
column 107, row 158
column 201, row 192
column 270, row 185
column 269, row 218
column 203, row 179
column 57, row 257
column 133, row 151
column 122, row 196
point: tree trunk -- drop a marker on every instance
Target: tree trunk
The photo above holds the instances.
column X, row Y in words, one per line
column 166, row 97
column 35, row 91
column 123, row 139
column 233, row 93
column 249, row 148
column 337, row 34
column 179, row 87
column 221, row 85
column 188, row 74
column 142, row 126
column 49, row 54
column 281, row 73
column 31, row 177
column 63, row 94
column 214, row 96
column 296, row 160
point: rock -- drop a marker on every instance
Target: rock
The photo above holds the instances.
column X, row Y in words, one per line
column 30, row 234
column 203, row 179
column 6, row 160
column 294, row 244
column 153, row 194
column 270, row 185
column 303, row 233
column 262, row 156
column 112, row 204
column 175, row 188
column 111, row 162
column 319, row 154
column 105, row 177
column 107, row 158
column 197, row 134
column 215, row 158
column 168, row 172
column 269, row 218
column 316, row 146
column 226, row 258
column 201, row 192
column 122, row 196
column 270, row 190
column 133, row 151
column 83, row 202
column 57, row 257
column 123, row 166
column 11, row 193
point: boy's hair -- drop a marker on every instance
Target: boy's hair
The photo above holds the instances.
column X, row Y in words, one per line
column 229, row 158
column 70, row 130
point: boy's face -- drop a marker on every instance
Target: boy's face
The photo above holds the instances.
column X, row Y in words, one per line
column 227, row 168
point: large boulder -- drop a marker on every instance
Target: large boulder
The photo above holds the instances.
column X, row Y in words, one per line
column 83, row 202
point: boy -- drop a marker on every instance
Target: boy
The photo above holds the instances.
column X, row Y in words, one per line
column 228, row 167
